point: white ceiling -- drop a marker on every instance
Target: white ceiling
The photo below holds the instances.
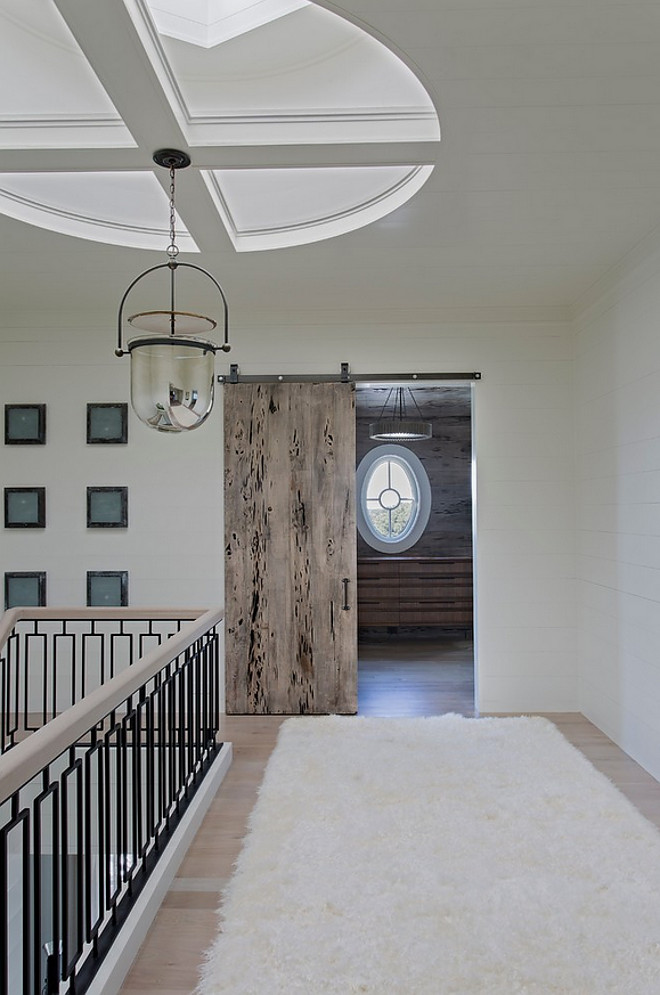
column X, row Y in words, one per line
column 547, row 174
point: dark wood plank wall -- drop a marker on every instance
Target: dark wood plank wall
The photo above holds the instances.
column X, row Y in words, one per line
column 431, row 583
column 446, row 457
column 409, row 590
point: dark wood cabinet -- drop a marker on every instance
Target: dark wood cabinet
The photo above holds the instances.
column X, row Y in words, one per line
column 415, row 590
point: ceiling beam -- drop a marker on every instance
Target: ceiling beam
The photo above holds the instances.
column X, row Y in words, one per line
column 316, row 155
column 120, row 42
column 114, row 45
column 39, row 160
column 64, row 160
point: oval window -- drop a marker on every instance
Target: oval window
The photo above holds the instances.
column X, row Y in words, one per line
column 394, row 498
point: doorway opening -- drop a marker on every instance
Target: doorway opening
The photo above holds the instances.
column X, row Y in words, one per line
column 415, row 578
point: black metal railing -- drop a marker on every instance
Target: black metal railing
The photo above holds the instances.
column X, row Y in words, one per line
column 48, row 663
column 88, row 802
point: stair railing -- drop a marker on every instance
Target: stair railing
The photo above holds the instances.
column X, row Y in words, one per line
column 51, row 658
column 89, row 799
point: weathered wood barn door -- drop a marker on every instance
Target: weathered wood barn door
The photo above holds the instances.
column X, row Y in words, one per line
column 290, row 548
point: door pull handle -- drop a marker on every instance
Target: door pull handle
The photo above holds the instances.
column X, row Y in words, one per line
column 345, row 607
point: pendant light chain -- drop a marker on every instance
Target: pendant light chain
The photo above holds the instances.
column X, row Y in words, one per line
column 172, row 249
column 172, row 252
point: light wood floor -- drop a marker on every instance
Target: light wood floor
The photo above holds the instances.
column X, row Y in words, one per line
column 186, row 924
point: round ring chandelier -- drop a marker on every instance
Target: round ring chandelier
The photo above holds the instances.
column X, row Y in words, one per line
column 172, row 365
column 399, row 426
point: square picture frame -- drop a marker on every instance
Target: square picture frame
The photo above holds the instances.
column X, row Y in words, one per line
column 107, row 424
column 107, row 588
column 25, row 424
column 25, row 507
column 25, row 588
column 107, row 507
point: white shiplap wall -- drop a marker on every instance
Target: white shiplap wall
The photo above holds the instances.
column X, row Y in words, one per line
column 617, row 384
column 173, row 548
column 523, row 432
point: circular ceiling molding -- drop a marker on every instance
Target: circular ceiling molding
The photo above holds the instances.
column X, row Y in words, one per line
column 273, row 208
column 232, row 78
column 309, row 76
column 115, row 208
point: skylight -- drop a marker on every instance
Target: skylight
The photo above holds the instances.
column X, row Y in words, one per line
column 208, row 23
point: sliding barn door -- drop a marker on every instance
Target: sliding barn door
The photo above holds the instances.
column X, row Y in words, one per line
column 290, row 548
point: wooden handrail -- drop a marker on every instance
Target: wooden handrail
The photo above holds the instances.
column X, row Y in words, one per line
column 24, row 761
column 7, row 623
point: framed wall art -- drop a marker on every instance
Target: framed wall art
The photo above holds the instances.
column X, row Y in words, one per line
column 107, row 507
column 25, row 507
column 107, row 588
column 107, row 423
column 25, row 424
column 25, row 588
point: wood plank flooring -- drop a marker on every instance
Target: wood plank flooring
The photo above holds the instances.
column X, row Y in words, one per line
column 169, row 960
column 398, row 678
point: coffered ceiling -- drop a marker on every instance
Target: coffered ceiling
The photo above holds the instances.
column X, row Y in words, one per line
column 370, row 155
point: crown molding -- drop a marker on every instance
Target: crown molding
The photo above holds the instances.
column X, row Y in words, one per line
column 106, row 120
column 361, row 115
column 68, row 131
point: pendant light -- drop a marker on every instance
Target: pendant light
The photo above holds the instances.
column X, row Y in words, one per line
column 398, row 427
column 172, row 367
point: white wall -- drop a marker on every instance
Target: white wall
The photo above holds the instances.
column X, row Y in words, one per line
column 524, row 441
column 173, row 547
column 617, row 385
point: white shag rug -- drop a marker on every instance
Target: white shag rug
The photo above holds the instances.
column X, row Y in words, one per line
column 439, row 856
